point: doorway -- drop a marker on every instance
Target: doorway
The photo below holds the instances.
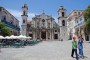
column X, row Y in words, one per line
column 43, row 34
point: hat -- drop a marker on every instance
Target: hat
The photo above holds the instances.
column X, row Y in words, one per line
column 74, row 37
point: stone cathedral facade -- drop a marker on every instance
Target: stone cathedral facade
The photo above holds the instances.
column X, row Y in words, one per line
column 43, row 26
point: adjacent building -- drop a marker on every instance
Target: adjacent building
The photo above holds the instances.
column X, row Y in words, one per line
column 71, row 22
column 10, row 21
column 80, row 26
column 80, row 29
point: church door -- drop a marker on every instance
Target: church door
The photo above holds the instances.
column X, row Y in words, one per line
column 43, row 35
column 55, row 36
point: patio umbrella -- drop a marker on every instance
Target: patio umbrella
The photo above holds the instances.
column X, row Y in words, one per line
column 22, row 37
column 7, row 37
column 28, row 37
column 13, row 37
column 1, row 37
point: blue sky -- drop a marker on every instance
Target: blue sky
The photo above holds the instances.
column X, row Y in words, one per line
column 50, row 7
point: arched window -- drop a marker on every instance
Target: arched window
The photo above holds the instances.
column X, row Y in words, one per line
column 11, row 22
column 63, row 22
column 63, row 14
column 23, row 21
column 23, row 12
column 4, row 18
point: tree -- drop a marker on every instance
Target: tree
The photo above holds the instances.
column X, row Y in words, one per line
column 4, row 30
column 86, row 14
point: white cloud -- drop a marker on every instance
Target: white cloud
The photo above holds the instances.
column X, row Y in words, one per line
column 18, row 13
column 56, row 19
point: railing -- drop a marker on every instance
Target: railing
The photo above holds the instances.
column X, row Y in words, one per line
column 11, row 25
column 79, row 24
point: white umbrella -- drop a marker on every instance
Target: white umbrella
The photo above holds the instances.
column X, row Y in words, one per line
column 7, row 37
column 13, row 37
column 22, row 37
column 28, row 37
column 1, row 37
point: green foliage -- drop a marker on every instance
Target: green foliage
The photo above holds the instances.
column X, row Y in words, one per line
column 1, row 25
column 3, row 30
column 88, row 26
column 86, row 14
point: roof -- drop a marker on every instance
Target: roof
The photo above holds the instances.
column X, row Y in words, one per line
column 9, row 13
column 43, row 14
column 73, row 11
column 70, row 15
column 29, row 21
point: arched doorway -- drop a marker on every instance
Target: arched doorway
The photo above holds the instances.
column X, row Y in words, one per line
column 43, row 34
column 63, row 22
column 55, row 36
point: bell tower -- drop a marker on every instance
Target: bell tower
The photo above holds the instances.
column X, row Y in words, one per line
column 24, row 19
column 62, row 21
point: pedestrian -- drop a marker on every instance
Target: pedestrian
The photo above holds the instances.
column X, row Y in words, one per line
column 74, row 48
column 80, row 47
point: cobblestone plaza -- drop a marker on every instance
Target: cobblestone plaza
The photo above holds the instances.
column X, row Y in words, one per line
column 45, row 50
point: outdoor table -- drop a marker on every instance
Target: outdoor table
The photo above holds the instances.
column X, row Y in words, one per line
column 17, row 44
column 2, row 44
column 20, row 44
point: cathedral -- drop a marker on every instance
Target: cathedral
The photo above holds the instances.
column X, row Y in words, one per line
column 43, row 26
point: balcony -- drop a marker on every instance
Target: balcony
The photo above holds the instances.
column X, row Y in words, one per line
column 8, row 24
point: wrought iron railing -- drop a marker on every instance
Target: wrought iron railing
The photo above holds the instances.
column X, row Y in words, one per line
column 8, row 24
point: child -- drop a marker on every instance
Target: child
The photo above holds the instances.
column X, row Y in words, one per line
column 74, row 47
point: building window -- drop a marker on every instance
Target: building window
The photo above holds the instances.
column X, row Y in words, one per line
column 55, row 30
column 23, row 21
column 78, row 13
column 63, row 22
column 63, row 14
column 4, row 18
column 37, row 24
column 75, row 13
column 62, row 8
column 0, row 9
column 11, row 22
column 77, row 21
column 48, row 25
column 80, row 19
column 23, row 12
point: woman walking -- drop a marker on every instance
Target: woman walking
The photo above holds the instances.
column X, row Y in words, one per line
column 80, row 47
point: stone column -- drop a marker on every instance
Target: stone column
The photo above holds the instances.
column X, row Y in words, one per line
column 89, row 38
column 40, row 24
column 34, row 24
column 34, row 35
column 40, row 35
column 46, row 23
column 46, row 35
column 52, row 23
column 52, row 36
column 58, row 35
